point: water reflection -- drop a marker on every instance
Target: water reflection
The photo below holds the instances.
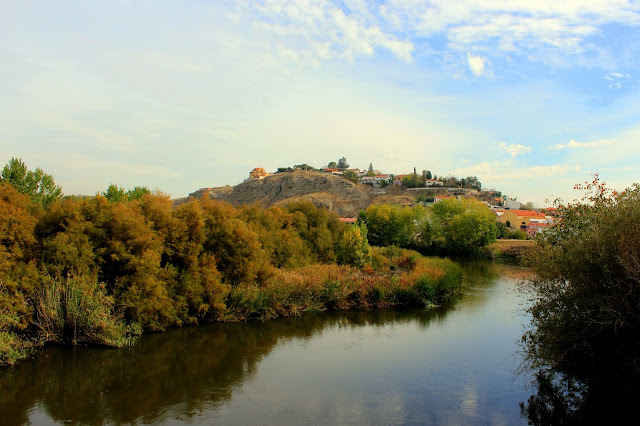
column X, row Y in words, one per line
column 184, row 370
column 438, row 365
column 565, row 399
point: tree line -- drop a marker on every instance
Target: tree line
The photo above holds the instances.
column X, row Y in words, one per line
column 102, row 269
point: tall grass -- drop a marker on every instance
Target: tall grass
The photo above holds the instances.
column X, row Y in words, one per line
column 76, row 310
column 407, row 279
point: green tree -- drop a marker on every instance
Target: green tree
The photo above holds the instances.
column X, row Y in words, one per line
column 353, row 248
column 428, row 176
column 467, row 225
column 332, row 165
column 413, row 180
column 114, row 193
column 342, row 164
column 586, row 291
column 351, row 175
column 370, row 171
column 392, row 224
column 137, row 192
column 36, row 184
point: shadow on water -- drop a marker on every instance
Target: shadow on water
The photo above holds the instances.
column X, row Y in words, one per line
column 175, row 374
column 561, row 398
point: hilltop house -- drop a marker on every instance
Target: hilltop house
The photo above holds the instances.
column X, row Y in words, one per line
column 432, row 182
column 258, row 173
column 375, row 180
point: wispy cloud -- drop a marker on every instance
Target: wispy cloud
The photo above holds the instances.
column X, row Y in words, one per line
column 617, row 79
column 575, row 144
column 329, row 30
column 544, row 30
column 501, row 170
column 514, row 149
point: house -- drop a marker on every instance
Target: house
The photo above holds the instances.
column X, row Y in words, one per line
column 397, row 180
column 432, row 182
column 535, row 227
column 258, row 173
column 333, row 171
column 520, row 219
column 348, row 220
column 375, row 180
column 510, row 204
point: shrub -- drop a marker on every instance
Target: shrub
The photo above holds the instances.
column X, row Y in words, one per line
column 587, row 291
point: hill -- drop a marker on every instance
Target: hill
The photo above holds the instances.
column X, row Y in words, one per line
column 325, row 190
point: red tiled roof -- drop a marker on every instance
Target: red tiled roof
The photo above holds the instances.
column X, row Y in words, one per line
column 348, row 219
column 527, row 213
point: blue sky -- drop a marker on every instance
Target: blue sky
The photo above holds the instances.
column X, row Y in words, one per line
column 529, row 96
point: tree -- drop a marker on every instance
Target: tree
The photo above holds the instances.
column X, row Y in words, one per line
column 370, row 167
column 342, row 163
column 137, row 192
column 413, row 181
column 353, row 248
column 332, row 165
column 114, row 193
column 36, row 184
column 586, row 292
column 351, row 175
column 392, row 224
column 467, row 225
column 429, row 176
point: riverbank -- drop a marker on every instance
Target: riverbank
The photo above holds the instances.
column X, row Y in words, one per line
column 77, row 311
column 511, row 250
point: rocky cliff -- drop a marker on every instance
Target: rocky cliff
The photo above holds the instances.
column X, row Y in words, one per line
column 332, row 192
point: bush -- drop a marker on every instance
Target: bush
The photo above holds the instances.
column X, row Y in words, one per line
column 587, row 291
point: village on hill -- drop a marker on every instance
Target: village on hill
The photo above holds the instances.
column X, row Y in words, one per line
column 515, row 216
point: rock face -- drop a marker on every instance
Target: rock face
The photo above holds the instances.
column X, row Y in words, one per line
column 324, row 190
column 332, row 192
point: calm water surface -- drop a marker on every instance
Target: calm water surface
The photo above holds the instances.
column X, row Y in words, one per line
column 450, row 365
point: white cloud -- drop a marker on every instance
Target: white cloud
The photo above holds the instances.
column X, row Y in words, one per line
column 546, row 31
column 330, row 31
column 514, row 149
column 575, row 144
column 503, row 170
column 478, row 65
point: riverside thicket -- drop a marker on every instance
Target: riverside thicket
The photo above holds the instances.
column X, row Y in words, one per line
column 97, row 270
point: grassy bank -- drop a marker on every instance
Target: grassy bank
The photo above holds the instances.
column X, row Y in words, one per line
column 78, row 311
column 402, row 280
column 511, row 250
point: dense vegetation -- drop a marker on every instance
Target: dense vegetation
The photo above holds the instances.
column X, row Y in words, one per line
column 586, row 298
column 452, row 226
column 102, row 269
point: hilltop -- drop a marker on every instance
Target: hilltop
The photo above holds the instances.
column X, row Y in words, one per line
column 333, row 192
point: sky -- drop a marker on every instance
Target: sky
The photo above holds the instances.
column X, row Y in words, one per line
column 532, row 97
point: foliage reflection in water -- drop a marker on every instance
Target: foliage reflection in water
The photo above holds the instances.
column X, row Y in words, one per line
column 453, row 363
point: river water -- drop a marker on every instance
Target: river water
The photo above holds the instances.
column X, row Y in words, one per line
column 450, row 365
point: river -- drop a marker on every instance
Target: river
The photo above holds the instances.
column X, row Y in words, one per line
column 450, row 365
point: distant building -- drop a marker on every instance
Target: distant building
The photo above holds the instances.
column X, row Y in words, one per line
column 375, row 180
column 510, row 204
column 535, row 227
column 520, row 219
column 432, row 182
column 258, row 173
